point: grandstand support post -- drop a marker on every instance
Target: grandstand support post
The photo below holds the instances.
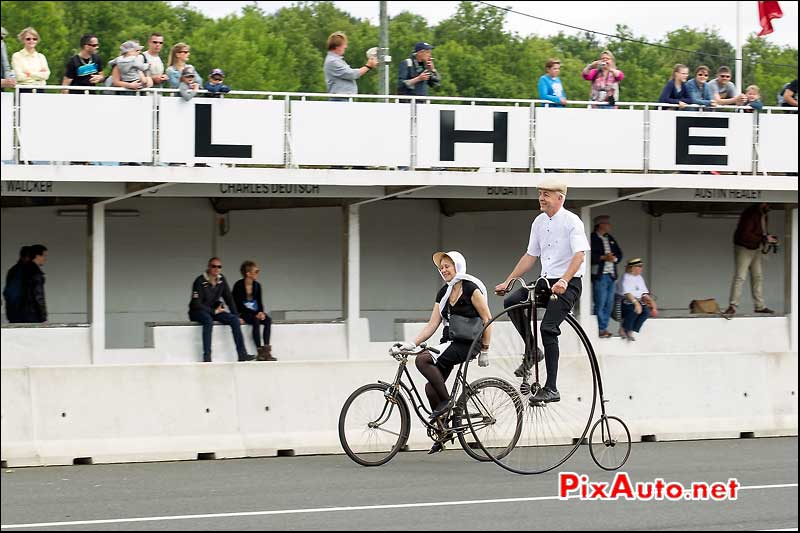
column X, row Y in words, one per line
column 352, row 277
column 97, row 280
column 738, row 58
column 383, row 50
column 792, row 287
column 585, row 313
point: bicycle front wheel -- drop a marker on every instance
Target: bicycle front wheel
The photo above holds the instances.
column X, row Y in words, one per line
column 494, row 411
column 550, row 432
column 373, row 425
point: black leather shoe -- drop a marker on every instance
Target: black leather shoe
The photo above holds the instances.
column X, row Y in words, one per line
column 436, row 448
column 247, row 357
column 442, row 409
column 765, row 311
column 545, row 395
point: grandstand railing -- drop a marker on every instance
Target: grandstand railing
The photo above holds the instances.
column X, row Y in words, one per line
column 538, row 149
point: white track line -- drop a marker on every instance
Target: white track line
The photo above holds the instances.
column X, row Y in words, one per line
column 317, row 510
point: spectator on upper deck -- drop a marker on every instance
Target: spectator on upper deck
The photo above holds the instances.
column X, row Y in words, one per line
column 604, row 77
column 723, row 91
column 84, row 69
column 130, row 70
column 417, row 72
column 675, row 90
column 339, row 77
column 30, row 66
column 550, row 86
column 788, row 96
column 214, row 85
column 7, row 77
column 753, row 94
column 178, row 60
column 153, row 57
column 188, row 85
column 698, row 90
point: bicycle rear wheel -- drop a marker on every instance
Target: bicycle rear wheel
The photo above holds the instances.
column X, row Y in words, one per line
column 373, row 427
column 610, row 443
column 492, row 406
column 550, row 432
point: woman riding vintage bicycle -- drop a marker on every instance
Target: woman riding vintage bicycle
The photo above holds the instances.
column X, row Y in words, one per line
column 462, row 297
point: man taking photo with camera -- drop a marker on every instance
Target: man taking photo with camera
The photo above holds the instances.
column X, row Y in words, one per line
column 417, row 72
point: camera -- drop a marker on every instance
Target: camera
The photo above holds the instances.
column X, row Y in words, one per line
column 603, row 63
column 768, row 246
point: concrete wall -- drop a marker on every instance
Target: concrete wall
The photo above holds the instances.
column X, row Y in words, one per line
column 153, row 258
column 117, row 413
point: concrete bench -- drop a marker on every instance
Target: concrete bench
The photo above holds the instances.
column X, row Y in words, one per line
column 769, row 334
column 292, row 340
column 45, row 344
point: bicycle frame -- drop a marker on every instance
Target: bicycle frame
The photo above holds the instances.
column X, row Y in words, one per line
column 414, row 396
column 531, row 302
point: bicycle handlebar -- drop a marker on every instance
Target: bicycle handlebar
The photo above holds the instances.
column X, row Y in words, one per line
column 530, row 287
column 396, row 350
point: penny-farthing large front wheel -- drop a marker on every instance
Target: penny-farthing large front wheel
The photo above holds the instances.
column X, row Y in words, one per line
column 551, row 432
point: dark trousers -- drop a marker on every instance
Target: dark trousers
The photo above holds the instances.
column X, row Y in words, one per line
column 253, row 321
column 555, row 313
column 207, row 320
column 630, row 320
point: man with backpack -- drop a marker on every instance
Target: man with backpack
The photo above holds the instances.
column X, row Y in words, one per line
column 417, row 72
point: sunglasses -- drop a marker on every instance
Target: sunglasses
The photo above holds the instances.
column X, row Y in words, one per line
column 157, row 42
column 183, row 52
column 31, row 39
column 215, row 266
column 702, row 75
column 724, row 77
column 95, row 45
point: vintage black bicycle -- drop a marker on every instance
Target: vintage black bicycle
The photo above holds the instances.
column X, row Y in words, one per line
column 375, row 421
column 549, row 433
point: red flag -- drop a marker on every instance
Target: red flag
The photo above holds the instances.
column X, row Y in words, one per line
column 766, row 12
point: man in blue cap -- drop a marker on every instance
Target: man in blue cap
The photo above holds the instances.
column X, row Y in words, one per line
column 417, row 72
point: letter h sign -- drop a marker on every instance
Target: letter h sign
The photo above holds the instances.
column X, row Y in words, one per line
column 449, row 136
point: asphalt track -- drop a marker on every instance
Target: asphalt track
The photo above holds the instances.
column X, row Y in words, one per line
column 415, row 491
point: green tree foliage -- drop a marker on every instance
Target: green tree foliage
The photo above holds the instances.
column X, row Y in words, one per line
column 285, row 50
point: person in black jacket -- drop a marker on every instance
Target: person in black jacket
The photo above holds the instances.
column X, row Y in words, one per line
column 208, row 293
column 34, row 305
column 606, row 253
column 13, row 292
column 247, row 297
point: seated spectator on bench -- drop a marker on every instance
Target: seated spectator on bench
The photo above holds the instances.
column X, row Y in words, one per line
column 247, row 297
column 637, row 304
column 209, row 291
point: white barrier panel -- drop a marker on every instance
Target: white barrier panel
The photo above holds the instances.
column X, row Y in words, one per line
column 687, row 140
column 777, row 137
column 24, row 346
column 6, row 126
column 472, row 136
column 589, row 138
column 351, row 133
column 213, row 130
column 86, row 127
column 51, row 415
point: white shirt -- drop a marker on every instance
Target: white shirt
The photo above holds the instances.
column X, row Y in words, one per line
column 632, row 284
column 556, row 240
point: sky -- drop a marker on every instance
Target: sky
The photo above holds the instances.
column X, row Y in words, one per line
column 649, row 19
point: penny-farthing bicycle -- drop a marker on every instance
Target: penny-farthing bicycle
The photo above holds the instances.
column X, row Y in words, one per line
column 550, row 433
